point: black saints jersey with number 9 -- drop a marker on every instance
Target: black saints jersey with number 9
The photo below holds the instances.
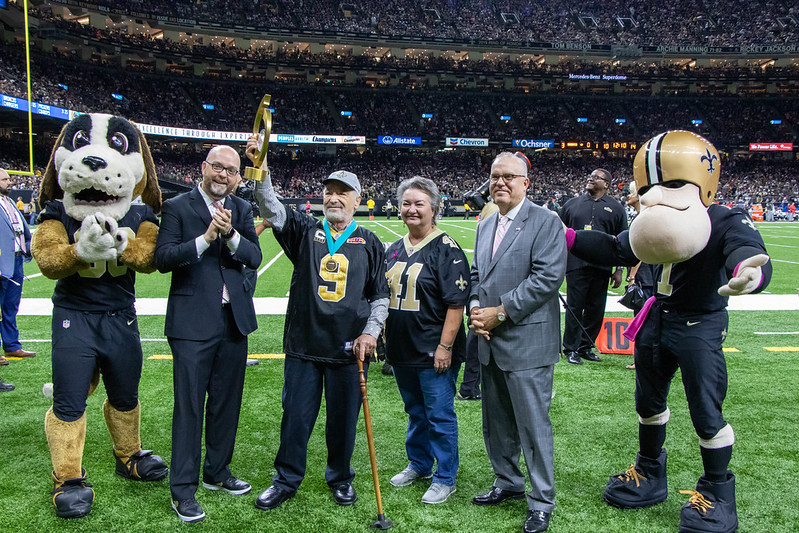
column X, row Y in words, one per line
column 425, row 280
column 329, row 300
column 105, row 285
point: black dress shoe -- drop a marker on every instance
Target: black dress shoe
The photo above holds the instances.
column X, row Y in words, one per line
column 536, row 522
column 468, row 397
column 272, row 498
column 574, row 358
column 5, row 387
column 590, row 356
column 496, row 495
column 232, row 485
column 344, row 494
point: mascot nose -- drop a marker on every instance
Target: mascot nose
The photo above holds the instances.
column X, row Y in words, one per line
column 653, row 196
column 95, row 163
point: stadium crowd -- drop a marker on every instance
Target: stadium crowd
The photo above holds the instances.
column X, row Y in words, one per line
column 616, row 22
column 306, row 109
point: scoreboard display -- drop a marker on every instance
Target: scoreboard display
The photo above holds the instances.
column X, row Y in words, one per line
column 598, row 145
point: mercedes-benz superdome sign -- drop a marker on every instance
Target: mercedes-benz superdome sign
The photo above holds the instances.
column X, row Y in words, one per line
column 465, row 141
column 533, row 143
column 395, row 140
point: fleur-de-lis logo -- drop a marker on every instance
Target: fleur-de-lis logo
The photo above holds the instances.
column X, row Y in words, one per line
column 709, row 158
column 461, row 283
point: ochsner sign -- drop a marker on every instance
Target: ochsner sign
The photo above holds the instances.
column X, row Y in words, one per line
column 533, row 143
column 465, row 141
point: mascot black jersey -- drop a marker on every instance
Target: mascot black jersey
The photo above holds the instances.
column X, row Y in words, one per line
column 325, row 316
column 105, row 285
column 692, row 284
column 425, row 279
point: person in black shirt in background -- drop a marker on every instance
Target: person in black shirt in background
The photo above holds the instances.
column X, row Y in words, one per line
column 425, row 339
column 587, row 283
column 338, row 302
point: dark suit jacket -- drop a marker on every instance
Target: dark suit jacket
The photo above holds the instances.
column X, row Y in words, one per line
column 7, row 242
column 524, row 275
column 195, row 295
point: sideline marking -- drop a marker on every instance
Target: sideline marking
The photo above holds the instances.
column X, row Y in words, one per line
column 781, row 348
column 776, row 332
column 249, row 356
column 730, row 350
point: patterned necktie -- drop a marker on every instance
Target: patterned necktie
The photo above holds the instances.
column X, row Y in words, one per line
column 16, row 223
column 225, row 294
column 503, row 220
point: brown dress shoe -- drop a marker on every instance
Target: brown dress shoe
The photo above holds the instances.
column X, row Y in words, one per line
column 20, row 353
column 3, row 361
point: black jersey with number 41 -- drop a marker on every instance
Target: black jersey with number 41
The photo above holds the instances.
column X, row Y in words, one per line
column 425, row 280
column 329, row 299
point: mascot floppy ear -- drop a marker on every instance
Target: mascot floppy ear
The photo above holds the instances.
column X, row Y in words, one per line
column 148, row 186
column 50, row 189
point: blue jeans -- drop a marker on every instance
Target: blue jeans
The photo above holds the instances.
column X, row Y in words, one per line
column 432, row 425
column 10, row 294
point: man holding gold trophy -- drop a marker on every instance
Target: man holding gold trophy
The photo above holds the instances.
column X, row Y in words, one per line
column 339, row 287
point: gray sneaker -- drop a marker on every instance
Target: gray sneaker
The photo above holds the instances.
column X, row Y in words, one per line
column 438, row 493
column 408, row 476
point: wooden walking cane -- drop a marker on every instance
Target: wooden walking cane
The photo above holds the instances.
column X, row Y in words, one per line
column 382, row 522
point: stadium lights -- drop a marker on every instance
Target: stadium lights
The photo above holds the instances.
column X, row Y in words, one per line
column 581, row 120
column 117, row 96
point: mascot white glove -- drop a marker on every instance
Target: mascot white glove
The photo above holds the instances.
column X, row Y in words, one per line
column 95, row 242
column 110, row 225
column 747, row 276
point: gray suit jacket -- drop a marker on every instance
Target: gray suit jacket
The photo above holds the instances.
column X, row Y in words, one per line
column 524, row 276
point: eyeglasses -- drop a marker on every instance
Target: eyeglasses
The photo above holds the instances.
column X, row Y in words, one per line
column 507, row 178
column 231, row 171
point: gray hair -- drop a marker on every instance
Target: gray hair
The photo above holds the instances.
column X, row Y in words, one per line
column 513, row 157
column 423, row 184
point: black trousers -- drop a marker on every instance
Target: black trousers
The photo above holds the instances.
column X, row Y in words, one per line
column 692, row 342
column 212, row 369
column 303, row 381
column 470, row 386
column 83, row 341
column 586, row 294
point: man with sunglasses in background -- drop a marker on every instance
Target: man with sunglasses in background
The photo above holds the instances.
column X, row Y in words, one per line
column 586, row 283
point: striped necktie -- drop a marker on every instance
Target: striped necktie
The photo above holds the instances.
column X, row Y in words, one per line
column 500, row 234
column 225, row 294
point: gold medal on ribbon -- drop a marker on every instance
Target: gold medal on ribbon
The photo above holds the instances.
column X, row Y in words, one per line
column 331, row 265
column 262, row 128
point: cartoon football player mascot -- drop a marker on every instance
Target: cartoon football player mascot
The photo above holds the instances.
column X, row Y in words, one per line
column 703, row 253
column 92, row 239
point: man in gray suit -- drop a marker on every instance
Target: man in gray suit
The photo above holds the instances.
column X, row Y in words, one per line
column 519, row 265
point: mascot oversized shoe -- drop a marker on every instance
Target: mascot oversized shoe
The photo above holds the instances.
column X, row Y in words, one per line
column 711, row 507
column 73, row 498
column 642, row 485
column 142, row 466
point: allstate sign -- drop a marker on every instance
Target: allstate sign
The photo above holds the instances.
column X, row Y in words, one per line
column 465, row 141
column 401, row 141
column 533, row 143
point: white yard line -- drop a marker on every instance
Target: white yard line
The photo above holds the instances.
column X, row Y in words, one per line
column 387, row 228
column 784, row 261
column 270, row 263
column 781, row 245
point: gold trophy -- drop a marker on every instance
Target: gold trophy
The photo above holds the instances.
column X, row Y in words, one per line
column 262, row 129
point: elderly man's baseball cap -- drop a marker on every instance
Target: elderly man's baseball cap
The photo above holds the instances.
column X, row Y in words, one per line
column 347, row 178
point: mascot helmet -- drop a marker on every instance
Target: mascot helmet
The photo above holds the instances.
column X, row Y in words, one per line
column 679, row 155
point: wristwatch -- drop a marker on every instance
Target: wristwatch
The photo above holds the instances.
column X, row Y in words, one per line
column 501, row 316
column 229, row 235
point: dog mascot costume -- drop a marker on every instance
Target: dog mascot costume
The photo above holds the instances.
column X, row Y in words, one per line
column 703, row 253
column 92, row 239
